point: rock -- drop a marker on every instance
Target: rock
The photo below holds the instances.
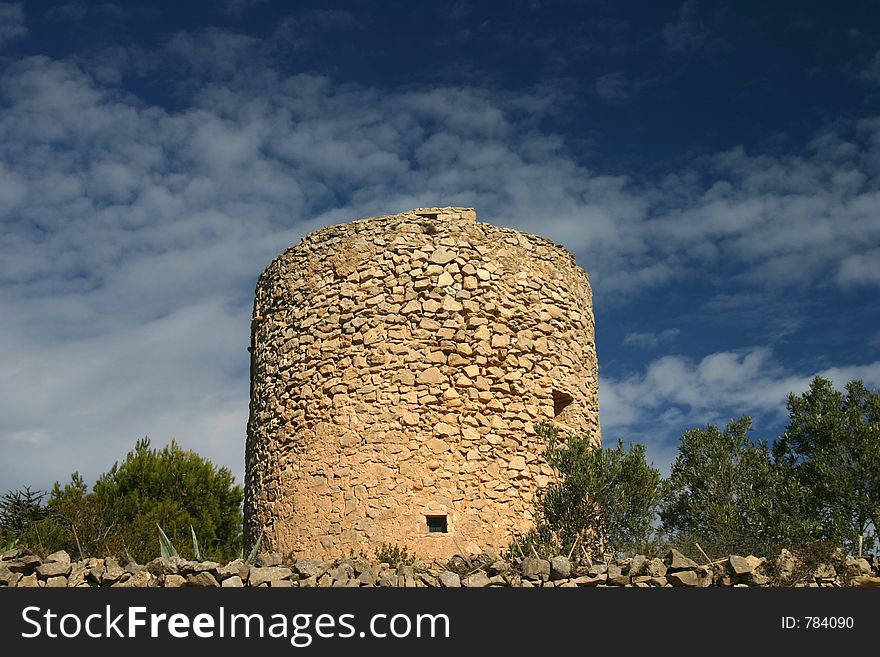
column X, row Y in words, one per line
column 59, row 582
column 29, row 581
column 675, row 560
column 655, row 568
column 441, row 256
column 449, row 580
column 535, row 569
column 54, row 569
column 619, row 580
column 856, row 566
column 60, row 557
column 786, row 564
column 368, row 577
column 866, row 581
column 590, row 580
column 706, row 575
column 25, row 564
column 637, row 565
column 754, row 561
column 500, row 567
column 95, row 571
column 203, row 578
column 430, row 376
column 310, row 567
column 267, row 575
column 10, row 554
column 13, row 579
column 174, row 581
column 113, row 572
column 143, row 579
column 754, row 579
column 5, row 574
column 683, row 578
column 739, row 565
column 429, row 580
column 234, row 568
column 233, row 582
column 560, row 568
column 475, row 580
column 267, row 559
column 406, row 570
column 343, row 572
column 160, row 566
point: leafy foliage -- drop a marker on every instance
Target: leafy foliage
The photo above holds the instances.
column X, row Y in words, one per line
column 725, row 493
column 832, row 445
column 75, row 519
column 20, row 511
column 394, row 555
column 603, row 499
column 176, row 489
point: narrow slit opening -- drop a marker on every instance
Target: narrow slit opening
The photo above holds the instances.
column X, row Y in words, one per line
column 561, row 401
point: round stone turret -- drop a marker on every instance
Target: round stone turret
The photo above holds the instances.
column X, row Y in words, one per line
column 399, row 366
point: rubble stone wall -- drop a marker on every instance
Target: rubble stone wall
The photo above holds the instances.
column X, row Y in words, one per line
column 399, row 365
column 57, row 570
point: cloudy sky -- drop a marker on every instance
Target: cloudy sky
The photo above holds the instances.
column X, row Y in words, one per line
column 714, row 166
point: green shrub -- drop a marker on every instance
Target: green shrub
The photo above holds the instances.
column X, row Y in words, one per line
column 178, row 490
column 725, row 493
column 20, row 513
column 603, row 499
column 832, row 445
column 394, row 555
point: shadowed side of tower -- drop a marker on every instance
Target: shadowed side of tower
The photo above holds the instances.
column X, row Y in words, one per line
column 399, row 365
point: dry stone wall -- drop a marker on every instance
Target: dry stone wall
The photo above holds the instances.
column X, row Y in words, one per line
column 57, row 570
column 399, row 366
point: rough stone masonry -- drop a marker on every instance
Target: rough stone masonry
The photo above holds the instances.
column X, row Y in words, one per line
column 399, row 365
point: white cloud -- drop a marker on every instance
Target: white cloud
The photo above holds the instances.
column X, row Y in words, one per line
column 133, row 235
column 650, row 340
column 860, row 269
column 677, row 391
column 12, row 26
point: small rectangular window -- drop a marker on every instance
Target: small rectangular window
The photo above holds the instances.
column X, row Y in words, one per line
column 437, row 524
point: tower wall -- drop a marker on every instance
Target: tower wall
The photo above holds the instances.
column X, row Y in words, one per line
column 399, row 365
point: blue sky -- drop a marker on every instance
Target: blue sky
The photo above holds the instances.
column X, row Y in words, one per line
column 714, row 166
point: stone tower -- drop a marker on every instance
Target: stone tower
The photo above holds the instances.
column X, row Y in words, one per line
column 398, row 367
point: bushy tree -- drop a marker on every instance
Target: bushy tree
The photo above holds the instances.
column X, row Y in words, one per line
column 76, row 520
column 20, row 511
column 602, row 499
column 175, row 489
column 725, row 493
column 832, row 444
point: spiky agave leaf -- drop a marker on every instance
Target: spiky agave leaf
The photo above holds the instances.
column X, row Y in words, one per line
column 196, row 552
column 165, row 548
column 254, row 551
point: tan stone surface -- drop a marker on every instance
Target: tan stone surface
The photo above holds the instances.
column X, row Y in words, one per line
column 399, row 365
